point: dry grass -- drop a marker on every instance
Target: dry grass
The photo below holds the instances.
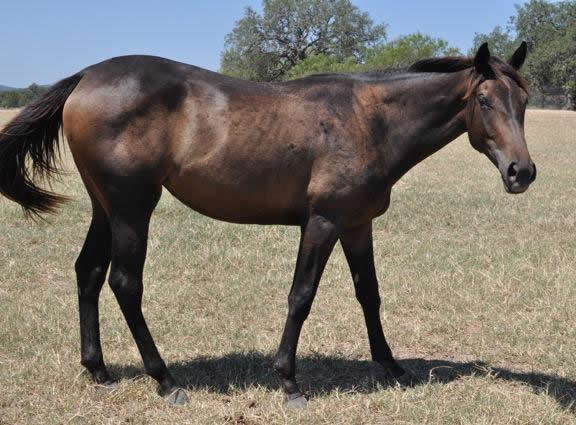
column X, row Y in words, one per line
column 478, row 302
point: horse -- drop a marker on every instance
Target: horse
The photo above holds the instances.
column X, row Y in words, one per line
column 321, row 152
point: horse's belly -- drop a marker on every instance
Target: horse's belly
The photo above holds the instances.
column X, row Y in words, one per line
column 251, row 169
column 243, row 197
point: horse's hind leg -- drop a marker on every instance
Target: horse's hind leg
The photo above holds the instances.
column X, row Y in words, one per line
column 91, row 267
column 130, row 213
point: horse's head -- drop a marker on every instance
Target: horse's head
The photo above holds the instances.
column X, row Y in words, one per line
column 496, row 106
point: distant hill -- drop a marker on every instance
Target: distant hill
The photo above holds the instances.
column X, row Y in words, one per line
column 6, row 88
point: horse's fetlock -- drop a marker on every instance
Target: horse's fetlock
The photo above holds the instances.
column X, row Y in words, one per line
column 157, row 370
column 92, row 361
column 281, row 367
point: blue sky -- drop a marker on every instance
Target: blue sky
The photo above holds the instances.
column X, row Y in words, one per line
column 46, row 40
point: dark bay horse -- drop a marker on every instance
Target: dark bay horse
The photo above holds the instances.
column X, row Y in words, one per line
column 322, row 153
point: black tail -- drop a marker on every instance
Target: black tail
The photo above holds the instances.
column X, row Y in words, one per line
column 29, row 147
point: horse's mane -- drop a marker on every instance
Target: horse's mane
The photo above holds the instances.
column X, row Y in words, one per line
column 456, row 64
column 446, row 64
column 449, row 64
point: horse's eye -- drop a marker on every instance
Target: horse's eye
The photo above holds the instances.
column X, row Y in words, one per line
column 483, row 101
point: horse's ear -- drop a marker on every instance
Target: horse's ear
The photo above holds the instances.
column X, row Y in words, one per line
column 519, row 56
column 482, row 59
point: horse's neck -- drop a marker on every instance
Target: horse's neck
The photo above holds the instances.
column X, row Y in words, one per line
column 422, row 115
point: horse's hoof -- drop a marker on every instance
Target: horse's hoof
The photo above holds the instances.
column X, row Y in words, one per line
column 107, row 386
column 406, row 380
column 177, row 397
column 396, row 373
column 392, row 369
column 296, row 401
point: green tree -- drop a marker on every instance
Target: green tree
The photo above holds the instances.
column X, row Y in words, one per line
column 550, row 29
column 502, row 42
column 318, row 63
column 21, row 97
column 12, row 99
column 398, row 53
column 265, row 47
column 35, row 91
column 406, row 50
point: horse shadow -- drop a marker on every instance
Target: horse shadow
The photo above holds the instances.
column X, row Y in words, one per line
column 322, row 374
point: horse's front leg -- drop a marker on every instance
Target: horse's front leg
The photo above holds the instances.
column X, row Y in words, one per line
column 358, row 248
column 317, row 241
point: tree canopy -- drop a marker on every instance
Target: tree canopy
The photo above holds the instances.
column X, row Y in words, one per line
column 502, row 42
column 406, row 50
column 398, row 53
column 265, row 47
column 550, row 30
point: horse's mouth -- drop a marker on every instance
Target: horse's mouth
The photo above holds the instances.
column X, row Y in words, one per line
column 514, row 188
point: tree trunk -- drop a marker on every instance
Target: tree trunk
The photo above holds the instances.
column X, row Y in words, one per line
column 571, row 99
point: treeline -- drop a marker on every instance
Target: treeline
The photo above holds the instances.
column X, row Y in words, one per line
column 21, row 97
column 292, row 38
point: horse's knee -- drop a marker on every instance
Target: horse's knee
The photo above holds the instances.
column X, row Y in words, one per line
column 299, row 307
column 122, row 283
column 369, row 301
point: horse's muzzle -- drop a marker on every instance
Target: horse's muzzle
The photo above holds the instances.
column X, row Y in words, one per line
column 519, row 176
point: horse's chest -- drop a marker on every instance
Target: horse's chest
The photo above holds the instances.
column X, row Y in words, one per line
column 372, row 193
column 355, row 197
column 377, row 202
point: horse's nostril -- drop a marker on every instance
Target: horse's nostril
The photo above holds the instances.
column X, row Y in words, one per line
column 533, row 177
column 512, row 170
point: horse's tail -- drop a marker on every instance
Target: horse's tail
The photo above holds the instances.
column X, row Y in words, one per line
column 29, row 149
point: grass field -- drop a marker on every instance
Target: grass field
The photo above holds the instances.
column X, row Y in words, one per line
column 479, row 303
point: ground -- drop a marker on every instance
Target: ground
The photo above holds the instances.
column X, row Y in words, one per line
column 478, row 288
